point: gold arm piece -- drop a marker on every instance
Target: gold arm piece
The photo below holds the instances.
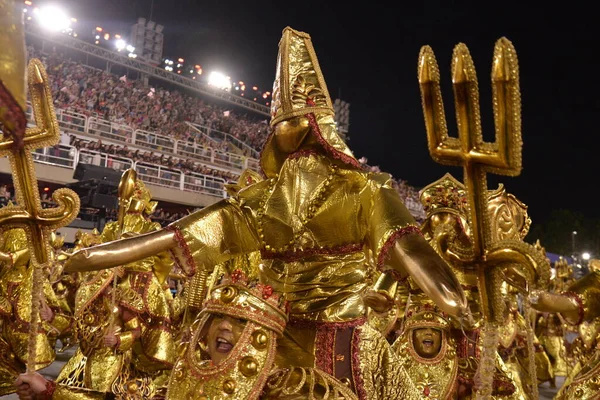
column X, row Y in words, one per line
column 555, row 303
column 126, row 340
column 120, row 252
column 432, row 274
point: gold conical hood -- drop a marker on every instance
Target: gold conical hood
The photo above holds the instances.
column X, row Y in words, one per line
column 300, row 90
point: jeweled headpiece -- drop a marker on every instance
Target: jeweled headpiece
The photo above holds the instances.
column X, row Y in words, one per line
column 300, row 90
column 245, row 370
column 421, row 312
column 508, row 215
column 445, row 195
column 240, row 297
column 141, row 201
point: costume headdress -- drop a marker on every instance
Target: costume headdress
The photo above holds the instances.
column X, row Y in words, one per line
column 243, row 373
column 140, row 201
column 508, row 215
column 445, row 195
column 421, row 312
column 300, row 90
column 436, row 377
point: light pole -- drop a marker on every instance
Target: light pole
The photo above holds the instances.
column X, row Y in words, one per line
column 573, row 241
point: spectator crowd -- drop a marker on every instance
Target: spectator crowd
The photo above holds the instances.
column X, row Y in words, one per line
column 128, row 102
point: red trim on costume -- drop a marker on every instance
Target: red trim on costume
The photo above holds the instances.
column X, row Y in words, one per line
column 306, row 323
column 579, row 302
column 303, row 153
column 390, row 242
column 324, row 343
column 184, row 248
column 359, row 384
column 49, row 392
column 13, row 113
column 312, row 120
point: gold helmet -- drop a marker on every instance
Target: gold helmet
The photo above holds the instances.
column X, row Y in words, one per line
column 435, row 373
column 300, row 90
column 245, row 370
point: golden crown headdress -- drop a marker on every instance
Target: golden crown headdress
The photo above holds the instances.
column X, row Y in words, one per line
column 300, row 90
column 445, row 195
column 508, row 215
column 141, row 200
column 246, row 368
column 240, row 297
column 421, row 312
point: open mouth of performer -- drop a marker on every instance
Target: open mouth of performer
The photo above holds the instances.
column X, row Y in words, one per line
column 222, row 336
column 427, row 342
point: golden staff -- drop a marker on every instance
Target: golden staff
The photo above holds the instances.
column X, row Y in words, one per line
column 125, row 191
column 478, row 158
column 17, row 143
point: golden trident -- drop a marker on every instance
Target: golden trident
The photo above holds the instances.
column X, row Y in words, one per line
column 17, row 143
column 477, row 157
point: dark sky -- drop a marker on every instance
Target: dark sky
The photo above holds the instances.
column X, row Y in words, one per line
column 368, row 53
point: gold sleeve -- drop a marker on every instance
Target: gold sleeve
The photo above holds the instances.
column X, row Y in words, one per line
column 61, row 322
column 212, row 236
column 20, row 257
column 126, row 340
column 586, row 292
column 389, row 219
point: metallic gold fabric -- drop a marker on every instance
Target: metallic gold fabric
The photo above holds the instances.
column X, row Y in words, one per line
column 15, row 292
column 13, row 56
column 245, row 370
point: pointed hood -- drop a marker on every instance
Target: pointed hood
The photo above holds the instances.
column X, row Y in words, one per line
column 300, row 90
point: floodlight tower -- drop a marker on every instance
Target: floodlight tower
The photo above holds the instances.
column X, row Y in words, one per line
column 147, row 38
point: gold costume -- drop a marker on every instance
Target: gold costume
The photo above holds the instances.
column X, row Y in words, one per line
column 447, row 228
column 435, row 376
column 146, row 352
column 581, row 302
column 515, row 335
column 316, row 218
column 16, row 279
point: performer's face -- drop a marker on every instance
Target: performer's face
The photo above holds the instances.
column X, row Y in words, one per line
column 427, row 341
column 223, row 334
column 290, row 134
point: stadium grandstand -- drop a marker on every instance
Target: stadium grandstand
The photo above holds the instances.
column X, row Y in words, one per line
column 185, row 139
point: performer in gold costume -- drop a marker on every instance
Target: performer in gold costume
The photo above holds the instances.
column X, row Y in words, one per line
column 581, row 302
column 316, row 218
column 15, row 308
column 549, row 327
column 515, row 335
column 234, row 343
column 427, row 349
column 447, row 227
column 145, row 344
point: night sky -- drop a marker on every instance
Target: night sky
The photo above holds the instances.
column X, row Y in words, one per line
column 368, row 54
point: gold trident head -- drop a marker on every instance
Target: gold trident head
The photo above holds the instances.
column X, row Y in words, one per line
column 477, row 157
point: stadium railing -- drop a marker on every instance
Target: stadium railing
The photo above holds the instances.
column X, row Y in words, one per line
column 74, row 122
column 66, row 156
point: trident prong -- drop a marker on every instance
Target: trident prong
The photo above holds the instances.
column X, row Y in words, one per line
column 469, row 150
column 28, row 213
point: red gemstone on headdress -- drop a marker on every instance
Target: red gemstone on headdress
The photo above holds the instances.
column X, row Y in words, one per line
column 426, row 391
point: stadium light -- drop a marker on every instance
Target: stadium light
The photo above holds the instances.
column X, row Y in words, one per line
column 219, row 80
column 53, row 19
column 120, row 44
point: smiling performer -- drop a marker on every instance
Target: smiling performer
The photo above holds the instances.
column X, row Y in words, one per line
column 315, row 219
